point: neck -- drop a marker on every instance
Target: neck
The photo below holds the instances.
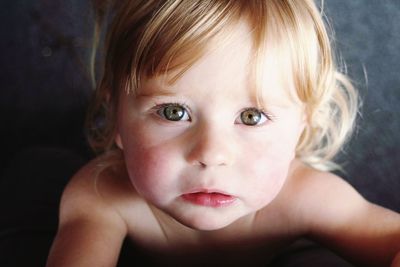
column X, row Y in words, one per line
column 179, row 234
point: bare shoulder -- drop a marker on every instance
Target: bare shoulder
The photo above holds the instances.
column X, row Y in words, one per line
column 321, row 195
column 93, row 191
column 328, row 199
column 336, row 215
column 90, row 219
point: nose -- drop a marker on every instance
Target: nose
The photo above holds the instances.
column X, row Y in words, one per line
column 211, row 147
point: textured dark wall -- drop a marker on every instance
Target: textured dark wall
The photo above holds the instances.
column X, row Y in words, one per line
column 368, row 38
column 44, row 85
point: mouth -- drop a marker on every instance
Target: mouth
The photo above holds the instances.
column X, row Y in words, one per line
column 209, row 198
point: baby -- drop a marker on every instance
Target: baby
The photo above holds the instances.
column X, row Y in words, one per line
column 217, row 122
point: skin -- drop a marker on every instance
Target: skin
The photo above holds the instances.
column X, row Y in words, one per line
column 275, row 198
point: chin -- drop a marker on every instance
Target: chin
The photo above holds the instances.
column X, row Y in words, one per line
column 206, row 222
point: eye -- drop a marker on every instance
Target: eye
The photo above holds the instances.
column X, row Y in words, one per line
column 173, row 112
column 253, row 117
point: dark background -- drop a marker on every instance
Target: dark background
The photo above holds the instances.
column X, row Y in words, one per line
column 45, row 85
column 368, row 38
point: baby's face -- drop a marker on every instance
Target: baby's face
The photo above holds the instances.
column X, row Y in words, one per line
column 200, row 149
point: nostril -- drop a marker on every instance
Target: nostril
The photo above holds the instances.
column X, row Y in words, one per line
column 203, row 164
column 210, row 147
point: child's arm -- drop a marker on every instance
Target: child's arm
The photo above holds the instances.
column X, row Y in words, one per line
column 396, row 261
column 341, row 219
column 90, row 231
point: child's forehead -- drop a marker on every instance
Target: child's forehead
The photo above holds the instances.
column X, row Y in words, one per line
column 228, row 62
column 158, row 87
column 282, row 36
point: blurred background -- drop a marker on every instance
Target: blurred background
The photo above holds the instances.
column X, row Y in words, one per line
column 44, row 83
column 368, row 39
column 45, row 87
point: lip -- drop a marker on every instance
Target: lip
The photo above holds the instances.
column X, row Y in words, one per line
column 209, row 198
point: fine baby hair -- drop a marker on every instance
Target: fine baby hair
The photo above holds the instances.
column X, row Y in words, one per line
column 150, row 37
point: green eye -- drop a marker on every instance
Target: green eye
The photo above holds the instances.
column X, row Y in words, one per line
column 252, row 117
column 174, row 112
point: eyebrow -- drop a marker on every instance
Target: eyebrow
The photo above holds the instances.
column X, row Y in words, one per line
column 154, row 94
column 154, row 90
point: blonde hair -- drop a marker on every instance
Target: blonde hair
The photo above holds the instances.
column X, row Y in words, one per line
column 151, row 37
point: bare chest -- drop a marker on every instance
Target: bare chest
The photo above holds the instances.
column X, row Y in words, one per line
column 244, row 254
column 240, row 250
column 160, row 245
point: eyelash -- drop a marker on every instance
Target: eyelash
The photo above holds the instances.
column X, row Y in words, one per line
column 268, row 115
column 159, row 107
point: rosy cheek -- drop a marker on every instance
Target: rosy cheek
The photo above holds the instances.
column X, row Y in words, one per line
column 269, row 173
column 149, row 170
column 268, row 187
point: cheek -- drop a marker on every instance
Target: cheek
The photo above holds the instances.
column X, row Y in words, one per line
column 269, row 179
column 267, row 167
column 150, row 169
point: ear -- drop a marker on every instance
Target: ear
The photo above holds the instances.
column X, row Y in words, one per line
column 118, row 141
